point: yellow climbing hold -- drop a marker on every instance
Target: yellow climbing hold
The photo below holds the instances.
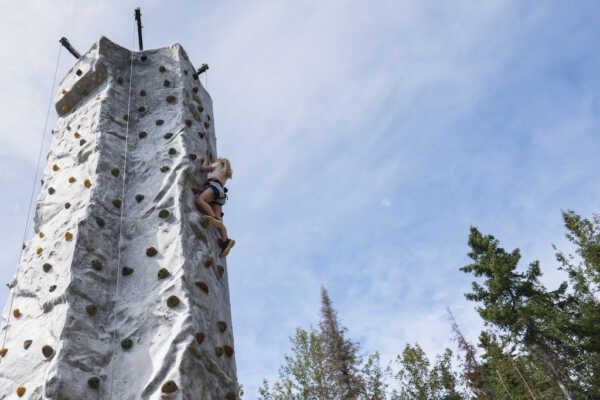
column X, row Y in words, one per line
column 41, row 234
column 77, row 135
column 3, row 351
column 39, row 250
column 17, row 313
column 20, row 391
column 72, row 179
column 55, row 167
column 65, row 108
column 68, row 236
column 87, row 183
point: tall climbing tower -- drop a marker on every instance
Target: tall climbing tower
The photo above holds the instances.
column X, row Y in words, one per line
column 121, row 294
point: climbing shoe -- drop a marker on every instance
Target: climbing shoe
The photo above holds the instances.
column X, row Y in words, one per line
column 226, row 246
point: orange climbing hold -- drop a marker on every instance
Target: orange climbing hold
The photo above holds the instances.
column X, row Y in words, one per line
column 55, row 167
column 203, row 286
column 17, row 313
column 77, row 135
column 3, row 351
column 41, row 234
column 65, row 108
column 228, row 350
column 72, row 179
column 20, row 391
column 87, row 183
column 39, row 250
column 68, row 236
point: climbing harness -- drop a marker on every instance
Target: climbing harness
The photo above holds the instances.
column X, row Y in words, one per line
column 35, row 179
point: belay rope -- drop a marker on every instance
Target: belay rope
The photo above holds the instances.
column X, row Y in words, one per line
column 35, row 179
column 116, row 333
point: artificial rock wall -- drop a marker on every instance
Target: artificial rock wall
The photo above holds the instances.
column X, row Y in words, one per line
column 121, row 294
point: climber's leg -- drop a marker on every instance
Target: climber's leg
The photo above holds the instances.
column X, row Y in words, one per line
column 203, row 201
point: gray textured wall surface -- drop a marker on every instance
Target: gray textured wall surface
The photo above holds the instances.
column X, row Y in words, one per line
column 90, row 315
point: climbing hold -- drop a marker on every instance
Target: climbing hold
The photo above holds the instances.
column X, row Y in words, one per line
column 208, row 117
column 195, row 190
column 17, row 313
column 91, row 309
column 82, row 142
column 126, row 344
column 220, row 271
column 172, row 301
column 55, row 167
column 51, row 190
column 201, row 134
column 195, row 90
column 230, row 396
column 77, row 135
column 127, row 271
column 27, row 343
column 94, row 382
column 172, row 151
column 208, row 263
column 222, row 325
column 68, row 236
column 63, row 91
column 41, row 234
column 126, row 117
column 219, row 351
column 206, row 125
column 3, row 351
column 47, row 351
column 164, row 168
column 115, row 172
column 200, row 108
column 151, row 252
column 97, row 265
column 163, row 273
column 193, row 156
column 65, row 108
column 87, row 183
column 39, row 250
column 185, row 71
column 142, row 92
column 159, row 122
column 78, row 73
column 144, row 57
column 139, row 198
column 169, row 387
column 52, row 288
column 162, row 68
column 228, row 350
column 116, row 203
column 72, row 179
column 47, row 267
column 143, row 134
column 164, row 214
column 166, row 83
column 168, row 135
column 141, row 109
column 171, row 99
column 188, row 122
column 200, row 337
column 203, row 286
column 67, row 205
column 120, row 80
column 21, row 391
column 100, row 222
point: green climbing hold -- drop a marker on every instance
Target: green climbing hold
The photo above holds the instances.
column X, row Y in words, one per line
column 230, row 396
column 164, row 214
column 47, row 267
column 120, row 80
column 201, row 134
column 162, row 68
column 168, row 135
column 142, row 92
column 47, row 351
column 82, row 142
column 206, row 125
column 144, row 57
column 166, row 83
column 127, row 271
column 67, row 205
column 116, row 203
column 172, row 151
column 222, row 325
column 52, row 288
column 200, row 108
column 219, row 351
column 169, row 387
column 100, row 222
column 151, row 252
column 51, row 190
column 91, row 309
column 126, row 344
column 159, row 122
column 27, row 343
column 126, row 117
column 173, row 301
column 94, row 382
column 185, row 71
column 164, row 168
column 188, row 122
column 171, row 99
column 193, row 156
column 141, row 109
column 143, row 134
column 139, row 198
column 115, row 172
column 163, row 273
column 97, row 265
column 220, row 271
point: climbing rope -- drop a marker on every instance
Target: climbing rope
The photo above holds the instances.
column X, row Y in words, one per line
column 116, row 334
column 35, row 179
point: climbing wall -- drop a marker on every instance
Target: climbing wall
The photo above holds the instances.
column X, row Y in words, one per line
column 121, row 293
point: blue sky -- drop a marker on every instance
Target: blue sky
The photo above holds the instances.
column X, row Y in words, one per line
column 365, row 139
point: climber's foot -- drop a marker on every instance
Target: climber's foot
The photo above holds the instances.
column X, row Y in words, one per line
column 207, row 219
column 226, row 246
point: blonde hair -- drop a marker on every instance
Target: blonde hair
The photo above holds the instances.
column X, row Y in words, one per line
column 227, row 165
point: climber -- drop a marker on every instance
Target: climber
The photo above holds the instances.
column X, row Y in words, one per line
column 214, row 195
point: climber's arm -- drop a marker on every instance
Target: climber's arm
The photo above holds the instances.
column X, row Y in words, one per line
column 206, row 167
